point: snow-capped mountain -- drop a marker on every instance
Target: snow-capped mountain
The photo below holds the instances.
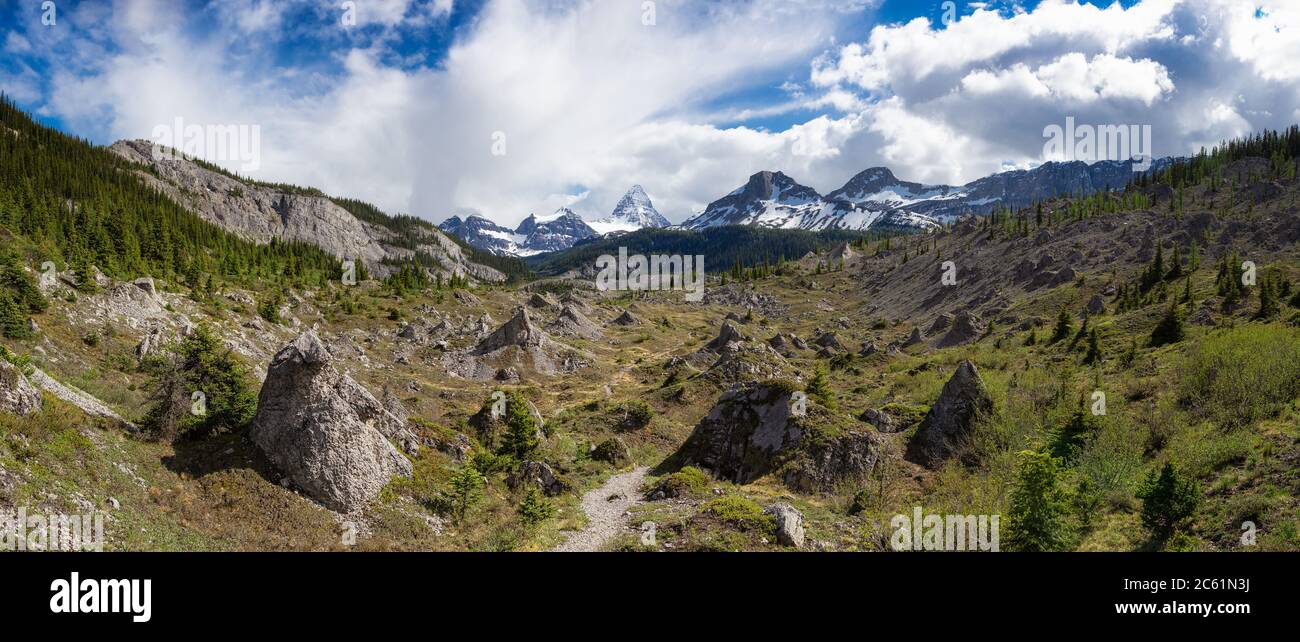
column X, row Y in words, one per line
column 484, row 234
column 879, row 188
column 558, row 231
column 633, row 212
column 772, row 199
column 535, row 235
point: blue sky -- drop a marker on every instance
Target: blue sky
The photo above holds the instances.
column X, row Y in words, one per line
column 404, row 105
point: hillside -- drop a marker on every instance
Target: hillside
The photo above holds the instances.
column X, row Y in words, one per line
column 941, row 370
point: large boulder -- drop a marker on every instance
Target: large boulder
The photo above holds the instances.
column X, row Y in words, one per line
column 328, row 435
column 728, row 335
column 518, row 331
column 755, row 429
column 946, row 430
column 17, row 394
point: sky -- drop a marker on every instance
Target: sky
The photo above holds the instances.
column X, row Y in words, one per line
column 511, row 107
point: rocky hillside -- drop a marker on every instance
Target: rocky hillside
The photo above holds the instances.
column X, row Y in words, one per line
column 261, row 213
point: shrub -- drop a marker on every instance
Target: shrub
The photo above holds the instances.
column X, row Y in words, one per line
column 520, row 438
column 689, row 481
column 635, row 414
column 742, row 513
column 1243, row 375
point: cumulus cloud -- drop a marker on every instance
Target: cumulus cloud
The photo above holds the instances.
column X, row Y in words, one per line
column 589, row 97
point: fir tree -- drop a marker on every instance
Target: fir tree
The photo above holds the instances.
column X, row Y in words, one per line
column 1064, row 327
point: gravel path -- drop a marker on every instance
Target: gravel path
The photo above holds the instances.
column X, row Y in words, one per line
column 605, row 517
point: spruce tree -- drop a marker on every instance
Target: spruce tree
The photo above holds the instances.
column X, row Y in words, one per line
column 1094, row 349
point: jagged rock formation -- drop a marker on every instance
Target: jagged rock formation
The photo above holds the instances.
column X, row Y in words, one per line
column 728, row 335
column 538, row 474
column 966, row 327
column 540, row 302
column 519, row 331
column 753, row 430
column 326, row 433
column 573, row 323
column 17, row 395
column 947, row 428
column 517, row 344
column 626, row 319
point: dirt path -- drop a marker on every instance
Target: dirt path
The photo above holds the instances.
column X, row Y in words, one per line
column 605, row 517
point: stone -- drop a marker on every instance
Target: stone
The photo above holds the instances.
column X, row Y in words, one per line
column 947, row 428
column 538, row 474
column 323, row 431
column 789, row 524
column 17, row 394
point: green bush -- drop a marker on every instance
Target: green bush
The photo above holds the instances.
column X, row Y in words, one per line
column 1242, row 375
column 742, row 513
column 689, row 481
column 635, row 414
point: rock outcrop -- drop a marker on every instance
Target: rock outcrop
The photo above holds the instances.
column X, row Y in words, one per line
column 753, row 430
column 538, row 474
column 571, row 322
column 946, row 430
column 966, row 327
column 789, row 524
column 323, row 431
column 627, row 318
column 17, row 395
column 728, row 335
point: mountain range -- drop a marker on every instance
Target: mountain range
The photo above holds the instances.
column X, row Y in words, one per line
column 874, row 199
column 557, row 231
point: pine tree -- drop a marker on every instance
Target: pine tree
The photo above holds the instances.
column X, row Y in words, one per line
column 1168, row 500
column 520, row 439
column 1170, row 329
column 1064, row 326
column 466, row 490
column 1094, row 349
column 1039, row 506
column 819, row 388
column 534, row 509
column 202, row 364
column 1268, row 307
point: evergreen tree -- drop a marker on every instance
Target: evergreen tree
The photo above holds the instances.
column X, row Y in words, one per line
column 520, row 439
column 466, row 490
column 201, row 364
column 534, row 509
column 1064, row 326
column 1039, row 506
column 1094, row 349
column 819, row 388
column 1268, row 307
column 1170, row 329
column 1168, row 500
